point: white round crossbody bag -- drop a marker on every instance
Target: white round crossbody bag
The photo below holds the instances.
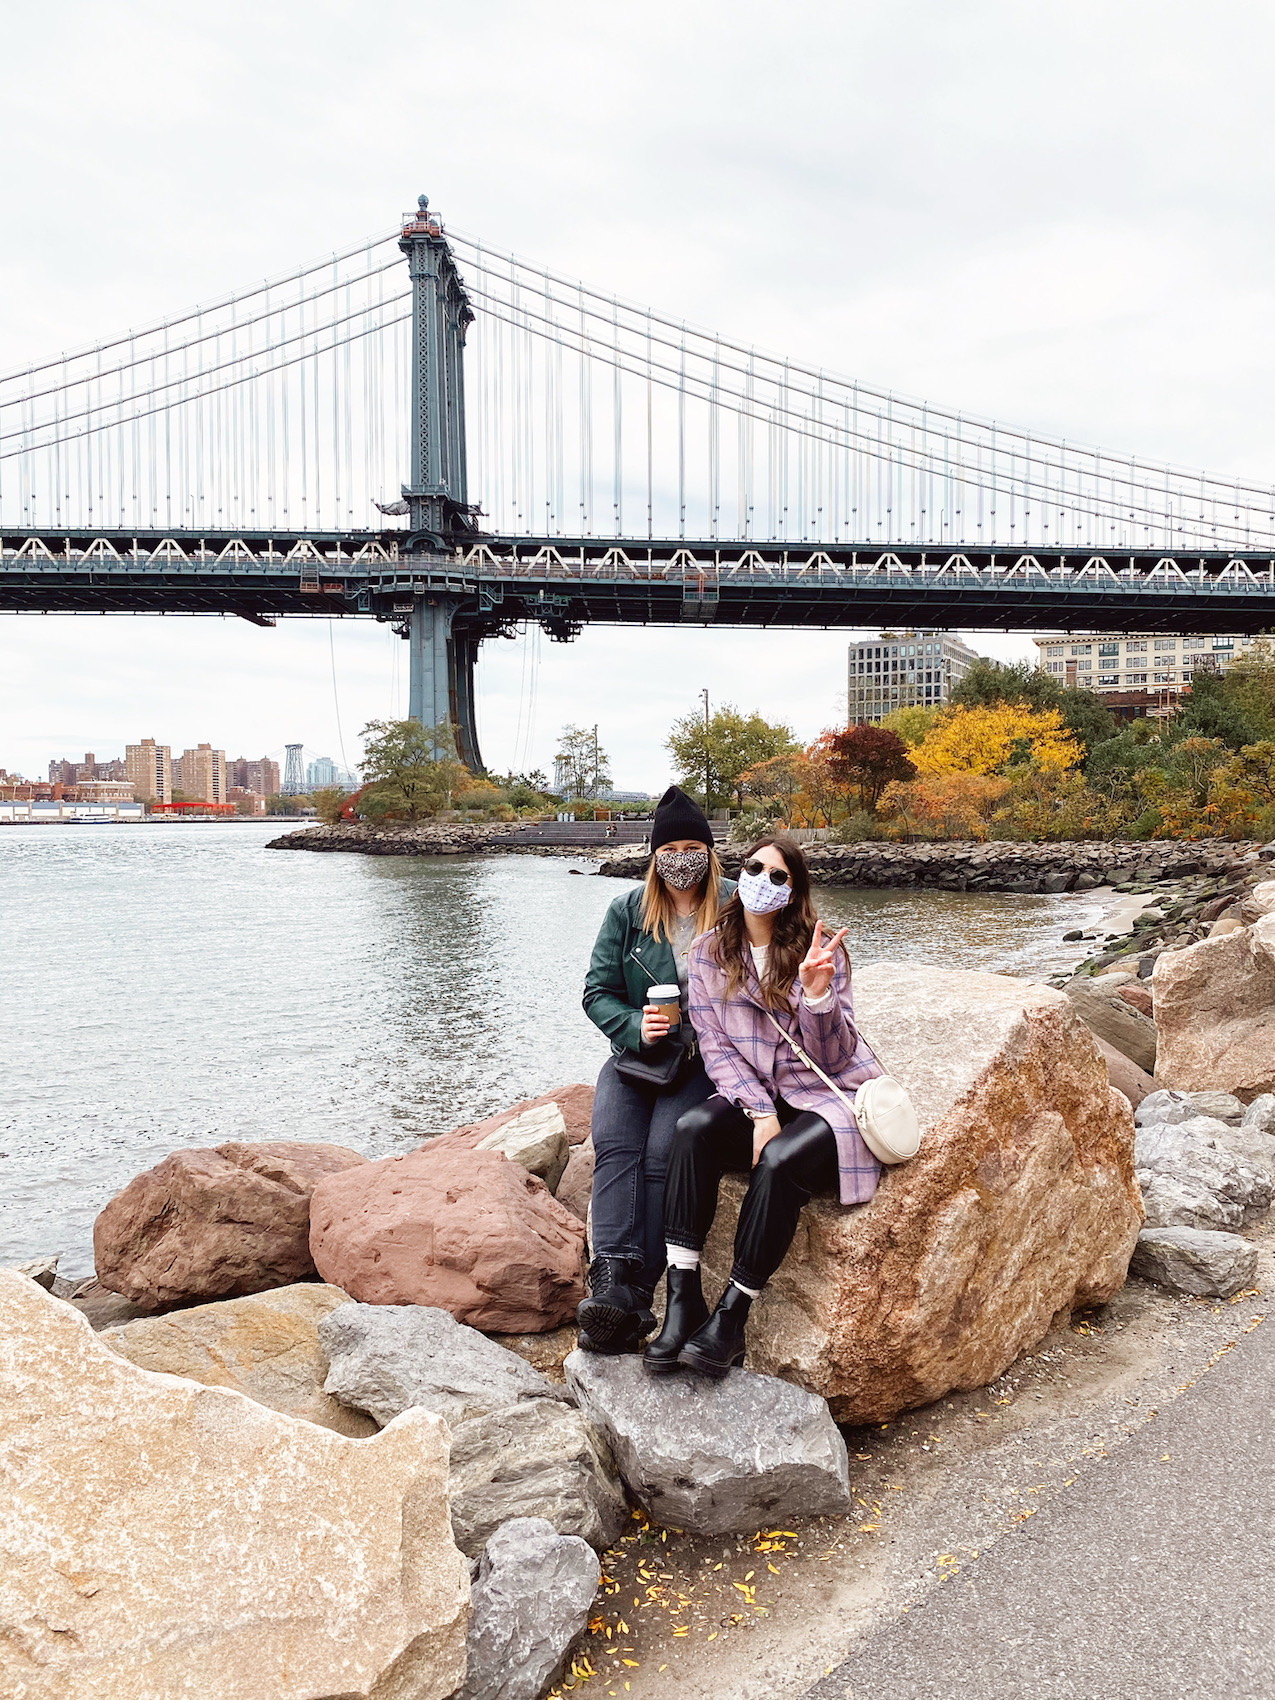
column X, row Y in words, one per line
column 885, row 1115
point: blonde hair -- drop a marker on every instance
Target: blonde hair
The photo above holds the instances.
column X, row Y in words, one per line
column 658, row 911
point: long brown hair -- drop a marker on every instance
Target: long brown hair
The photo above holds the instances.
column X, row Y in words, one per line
column 659, row 912
column 794, row 927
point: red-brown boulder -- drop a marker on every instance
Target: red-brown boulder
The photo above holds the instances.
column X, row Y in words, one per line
column 1137, row 994
column 575, row 1102
column 215, row 1223
column 465, row 1230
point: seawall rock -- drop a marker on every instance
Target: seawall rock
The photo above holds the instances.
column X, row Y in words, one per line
column 1021, row 1203
column 215, row 1223
column 266, row 1346
column 1215, row 1011
column 161, row 1538
column 466, row 1230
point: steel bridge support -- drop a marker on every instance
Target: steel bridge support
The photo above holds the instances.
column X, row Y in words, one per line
column 442, row 651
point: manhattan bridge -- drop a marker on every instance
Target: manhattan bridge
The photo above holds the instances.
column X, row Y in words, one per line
column 466, row 444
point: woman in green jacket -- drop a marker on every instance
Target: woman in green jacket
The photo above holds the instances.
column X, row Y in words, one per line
column 643, row 943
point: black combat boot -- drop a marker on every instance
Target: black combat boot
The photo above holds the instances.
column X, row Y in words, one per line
column 719, row 1345
column 684, row 1313
column 617, row 1313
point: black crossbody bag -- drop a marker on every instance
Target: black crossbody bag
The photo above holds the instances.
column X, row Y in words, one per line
column 661, row 1067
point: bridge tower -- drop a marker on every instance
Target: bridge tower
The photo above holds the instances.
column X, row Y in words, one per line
column 442, row 643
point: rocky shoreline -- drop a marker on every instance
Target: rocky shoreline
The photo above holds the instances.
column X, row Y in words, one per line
column 423, row 838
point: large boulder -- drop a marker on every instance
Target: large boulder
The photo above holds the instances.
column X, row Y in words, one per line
column 1215, row 1010
column 1235, row 1167
column 715, row 1458
column 265, row 1345
column 1111, row 1018
column 161, row 1538
column 466, row 1230
column 1021, row 1203
column 575, row 1190
column 385, row 1359
column 215, row 1223
column 538, row 1458
column 531, row 1602
column 1193, row 1260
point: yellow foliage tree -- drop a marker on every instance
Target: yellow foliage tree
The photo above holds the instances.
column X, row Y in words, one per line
column 988, row 740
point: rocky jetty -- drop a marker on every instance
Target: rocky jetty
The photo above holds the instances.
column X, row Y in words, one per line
column 1009, row 866
column 413, row 838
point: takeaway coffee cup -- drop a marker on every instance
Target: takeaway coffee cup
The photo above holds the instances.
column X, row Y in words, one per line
column 668, row 1000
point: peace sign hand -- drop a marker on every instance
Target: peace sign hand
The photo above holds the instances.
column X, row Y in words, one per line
column 816, row 972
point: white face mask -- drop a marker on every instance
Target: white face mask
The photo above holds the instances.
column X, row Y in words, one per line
column 761, row 896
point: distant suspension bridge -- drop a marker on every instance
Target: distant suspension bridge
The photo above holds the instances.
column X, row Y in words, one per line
column 462, row 456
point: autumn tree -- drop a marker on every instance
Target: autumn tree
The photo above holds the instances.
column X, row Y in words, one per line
column 329, row 802
column 778, row 782
column 998, row 684
column 988, row 740
column 912, row 722
column 865, row 759
column 713, row 757
column 410, row 771
column 943, row 805
column 585, row 766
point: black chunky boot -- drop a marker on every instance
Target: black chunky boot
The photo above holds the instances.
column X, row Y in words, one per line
column 718, row 1347
column 684, row 1313
column 616, row 1313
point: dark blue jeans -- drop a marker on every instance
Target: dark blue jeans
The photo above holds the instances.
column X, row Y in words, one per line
column 632, row 1136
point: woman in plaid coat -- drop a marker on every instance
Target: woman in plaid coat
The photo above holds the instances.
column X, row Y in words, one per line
column 764, row 971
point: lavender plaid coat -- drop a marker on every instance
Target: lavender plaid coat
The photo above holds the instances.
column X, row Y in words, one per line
column 751, row 1065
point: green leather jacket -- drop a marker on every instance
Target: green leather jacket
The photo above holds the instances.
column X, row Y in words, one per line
column 626, row 963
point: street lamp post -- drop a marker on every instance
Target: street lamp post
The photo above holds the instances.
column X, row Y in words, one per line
column 708, row 802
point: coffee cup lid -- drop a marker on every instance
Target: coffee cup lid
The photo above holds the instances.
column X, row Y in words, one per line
column 664, row 994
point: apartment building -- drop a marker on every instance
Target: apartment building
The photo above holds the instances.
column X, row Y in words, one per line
column 261, row 776
column 149, row 768
column 84, row 772
column 201, row 774
column 1116, row 662
column 905, row 670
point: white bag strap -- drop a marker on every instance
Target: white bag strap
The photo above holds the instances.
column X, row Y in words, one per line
column 810, row 1062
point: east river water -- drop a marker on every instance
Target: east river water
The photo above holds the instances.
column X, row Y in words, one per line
column 174, row 985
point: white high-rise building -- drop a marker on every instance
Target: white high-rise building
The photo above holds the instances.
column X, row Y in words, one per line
column 904, row 669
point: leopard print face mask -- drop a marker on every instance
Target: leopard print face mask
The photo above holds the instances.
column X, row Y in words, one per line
column 682, row 869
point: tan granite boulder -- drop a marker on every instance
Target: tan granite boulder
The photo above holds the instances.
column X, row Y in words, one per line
column 265, row 1345
column 214, row 1223
column 466, row 1230
column 537, row 1139
column 162, row 1539
column 1021, row 1203
column 1215, row 1009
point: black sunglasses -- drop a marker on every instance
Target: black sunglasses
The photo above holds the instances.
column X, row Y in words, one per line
column 777, row 875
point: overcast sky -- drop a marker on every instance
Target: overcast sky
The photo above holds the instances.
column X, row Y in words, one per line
column 1057, row 215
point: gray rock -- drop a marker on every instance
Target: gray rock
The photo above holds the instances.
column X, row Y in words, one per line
column 1193, row 1260
column 539, row 1458
column 1221, row 1158
column 1259, row 1117
column 530, row 1602
column 1170, row 1106
column 388, row 1358
column 1172, row 1201
column 529, row 1605
column 1222, row 1106
column 1112, row 1019
column 715, row 1457
column 537, row 1139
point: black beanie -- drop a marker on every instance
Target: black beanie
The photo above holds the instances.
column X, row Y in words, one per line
column 679, row 816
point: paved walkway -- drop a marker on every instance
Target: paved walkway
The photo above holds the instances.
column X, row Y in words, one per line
column 1153, row 1578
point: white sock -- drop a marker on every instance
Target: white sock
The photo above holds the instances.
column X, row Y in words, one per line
column 753, row 1292
column 681, row 1257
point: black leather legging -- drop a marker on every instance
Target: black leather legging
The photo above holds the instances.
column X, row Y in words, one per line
column 715, row 1136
